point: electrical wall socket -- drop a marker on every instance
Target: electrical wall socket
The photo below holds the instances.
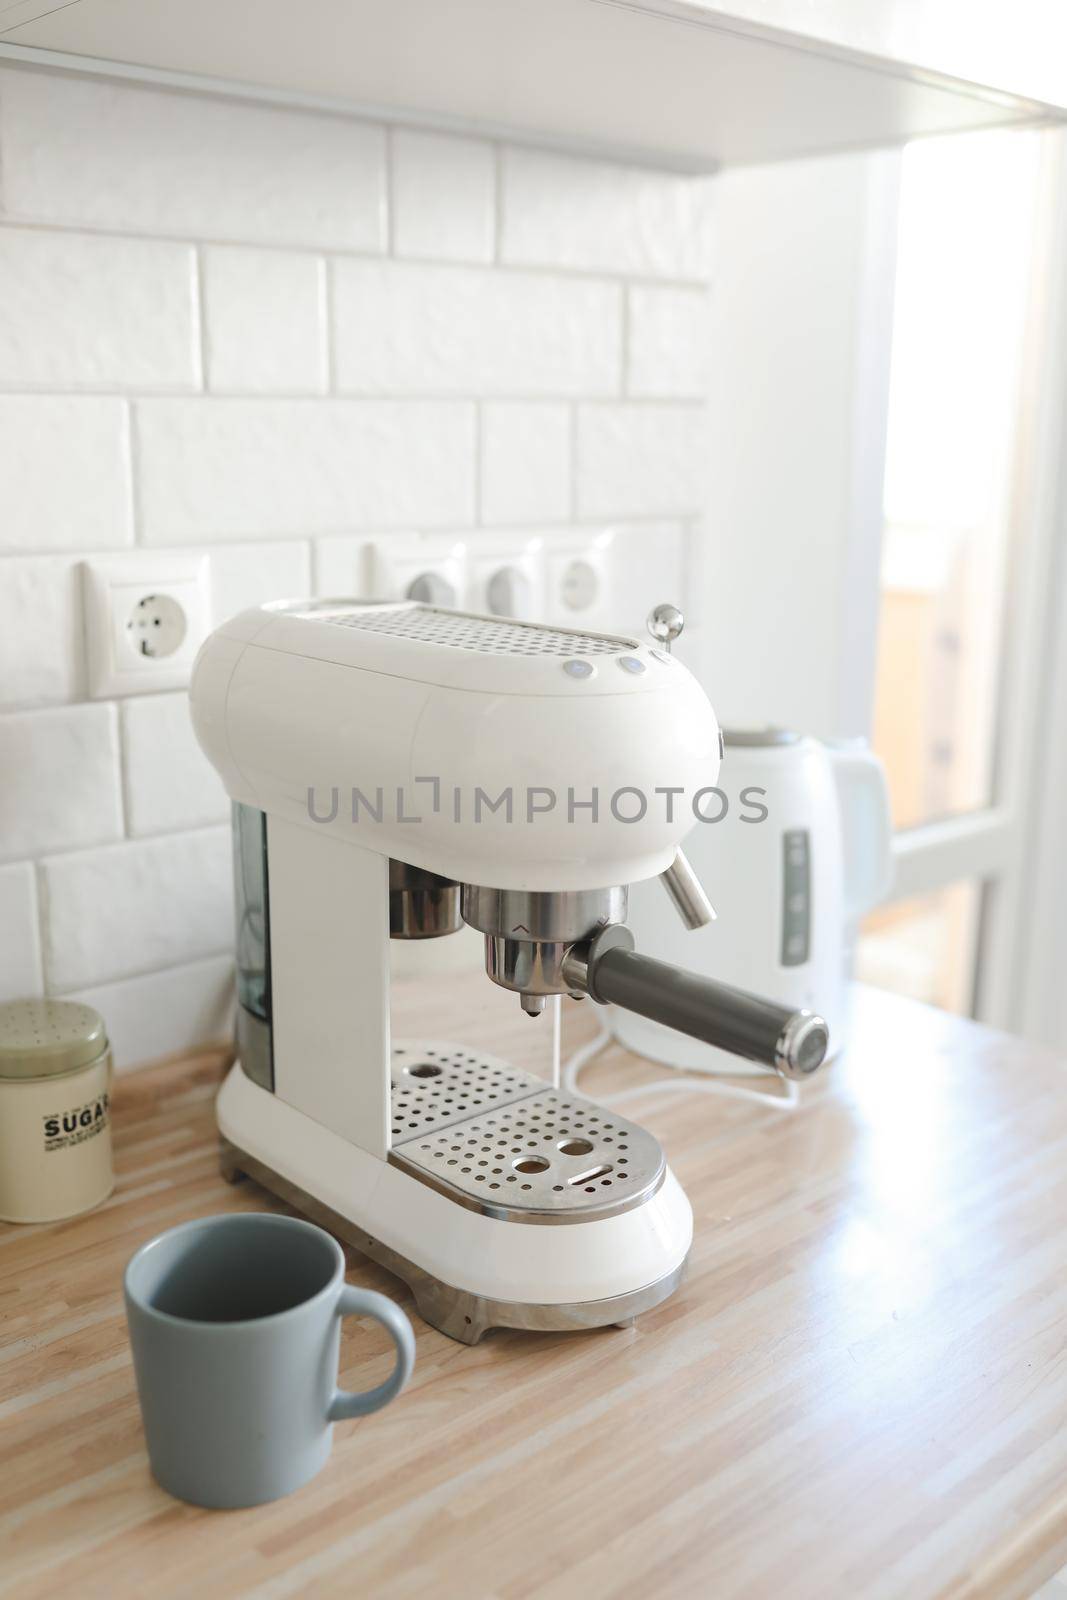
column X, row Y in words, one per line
column 146, row 616
column 608, row 579
column 498, row 574
column 603, row 578
column 506, row 576
column 578, row 578
column 413, row 567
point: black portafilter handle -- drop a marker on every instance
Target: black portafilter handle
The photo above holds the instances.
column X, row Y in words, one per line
column 610, row 971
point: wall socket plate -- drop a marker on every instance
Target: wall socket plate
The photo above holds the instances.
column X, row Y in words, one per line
column 146, row 616
column 578, row 578
column 492, row 573
column 505, row 576
column 603, row 577
column 415, row 567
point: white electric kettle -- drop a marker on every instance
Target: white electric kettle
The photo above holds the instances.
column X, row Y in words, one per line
column 794, row 851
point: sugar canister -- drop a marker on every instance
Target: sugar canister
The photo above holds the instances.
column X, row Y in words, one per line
column 55, row 1129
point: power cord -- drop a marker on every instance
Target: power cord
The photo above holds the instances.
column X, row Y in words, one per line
column 585, row 1053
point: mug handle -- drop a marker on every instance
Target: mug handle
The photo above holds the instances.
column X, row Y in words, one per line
column 365, row 1303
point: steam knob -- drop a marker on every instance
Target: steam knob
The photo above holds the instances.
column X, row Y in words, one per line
column 665, row 623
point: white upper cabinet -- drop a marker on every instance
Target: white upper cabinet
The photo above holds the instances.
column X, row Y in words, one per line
column 674, row 81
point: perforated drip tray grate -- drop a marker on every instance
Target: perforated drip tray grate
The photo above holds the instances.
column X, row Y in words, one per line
column 436, row 1085
column 500, row 1141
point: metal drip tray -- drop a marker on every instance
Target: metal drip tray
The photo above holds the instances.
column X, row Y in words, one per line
column 501, row 1142
column 435, row 1085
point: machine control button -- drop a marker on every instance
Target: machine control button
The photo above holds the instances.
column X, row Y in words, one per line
column 579, row 669
column 631, row 664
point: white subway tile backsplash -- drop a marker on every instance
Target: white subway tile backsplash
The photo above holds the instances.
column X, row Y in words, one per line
column 42, row 653
column 443, row 192
column 406, row 329
column 164, row 1013
column 64, row 473
column 339, row 566
column 526, row 463
column 647, row 566
column 669, row 343
column 244, row 575
column 20, row 941
column 41, row 630
column 60, row 788
column 79, row 311
column 641, row 460
column 136, row 907
column 169, row 782
column 495, row 367
column 246, row 469
column 80, row 150
column 264, row 321
column 562, row 211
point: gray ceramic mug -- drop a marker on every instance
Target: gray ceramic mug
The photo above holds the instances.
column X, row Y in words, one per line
column 235, row 1324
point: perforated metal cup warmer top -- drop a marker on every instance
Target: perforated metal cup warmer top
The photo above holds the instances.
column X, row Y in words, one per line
column 457, row 631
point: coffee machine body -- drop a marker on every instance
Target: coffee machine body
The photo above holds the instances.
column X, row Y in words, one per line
column 397, row 770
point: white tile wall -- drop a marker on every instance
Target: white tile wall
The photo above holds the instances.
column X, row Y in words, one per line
column 264, row 321
column 162, row 1013
column 41, row 625
column 83, row 311
column 20, row 940
column 239, row 469
column 79, row 150
column 244, row 575
column 41, row 632
column 64, row 473
column 636, row 460
column 669, row 350
column 444, row 197
column 560, row 211
column 60, row 787
column 631, row 596
column 464, row 330
column 526, row 463
column 268, row 334
column 136, row 907
column 169, row 782
column 338, row 566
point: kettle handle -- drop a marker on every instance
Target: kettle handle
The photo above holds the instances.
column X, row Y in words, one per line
column 866, row 825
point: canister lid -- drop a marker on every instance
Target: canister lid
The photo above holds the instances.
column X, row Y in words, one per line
column 46, row 1038
column 758, row 738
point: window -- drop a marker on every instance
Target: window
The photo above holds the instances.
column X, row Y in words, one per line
column 953, row 641
column 924, row 947
column 965, row 251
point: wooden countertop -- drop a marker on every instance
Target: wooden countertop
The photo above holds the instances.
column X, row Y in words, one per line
column 860, row 1390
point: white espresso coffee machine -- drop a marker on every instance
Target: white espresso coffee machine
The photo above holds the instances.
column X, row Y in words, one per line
column 399, row 770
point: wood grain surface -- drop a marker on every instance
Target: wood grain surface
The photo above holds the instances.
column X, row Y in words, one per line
column 860, row 1390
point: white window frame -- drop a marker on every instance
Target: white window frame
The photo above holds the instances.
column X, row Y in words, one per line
column 786, row 572
column 1006, row 845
